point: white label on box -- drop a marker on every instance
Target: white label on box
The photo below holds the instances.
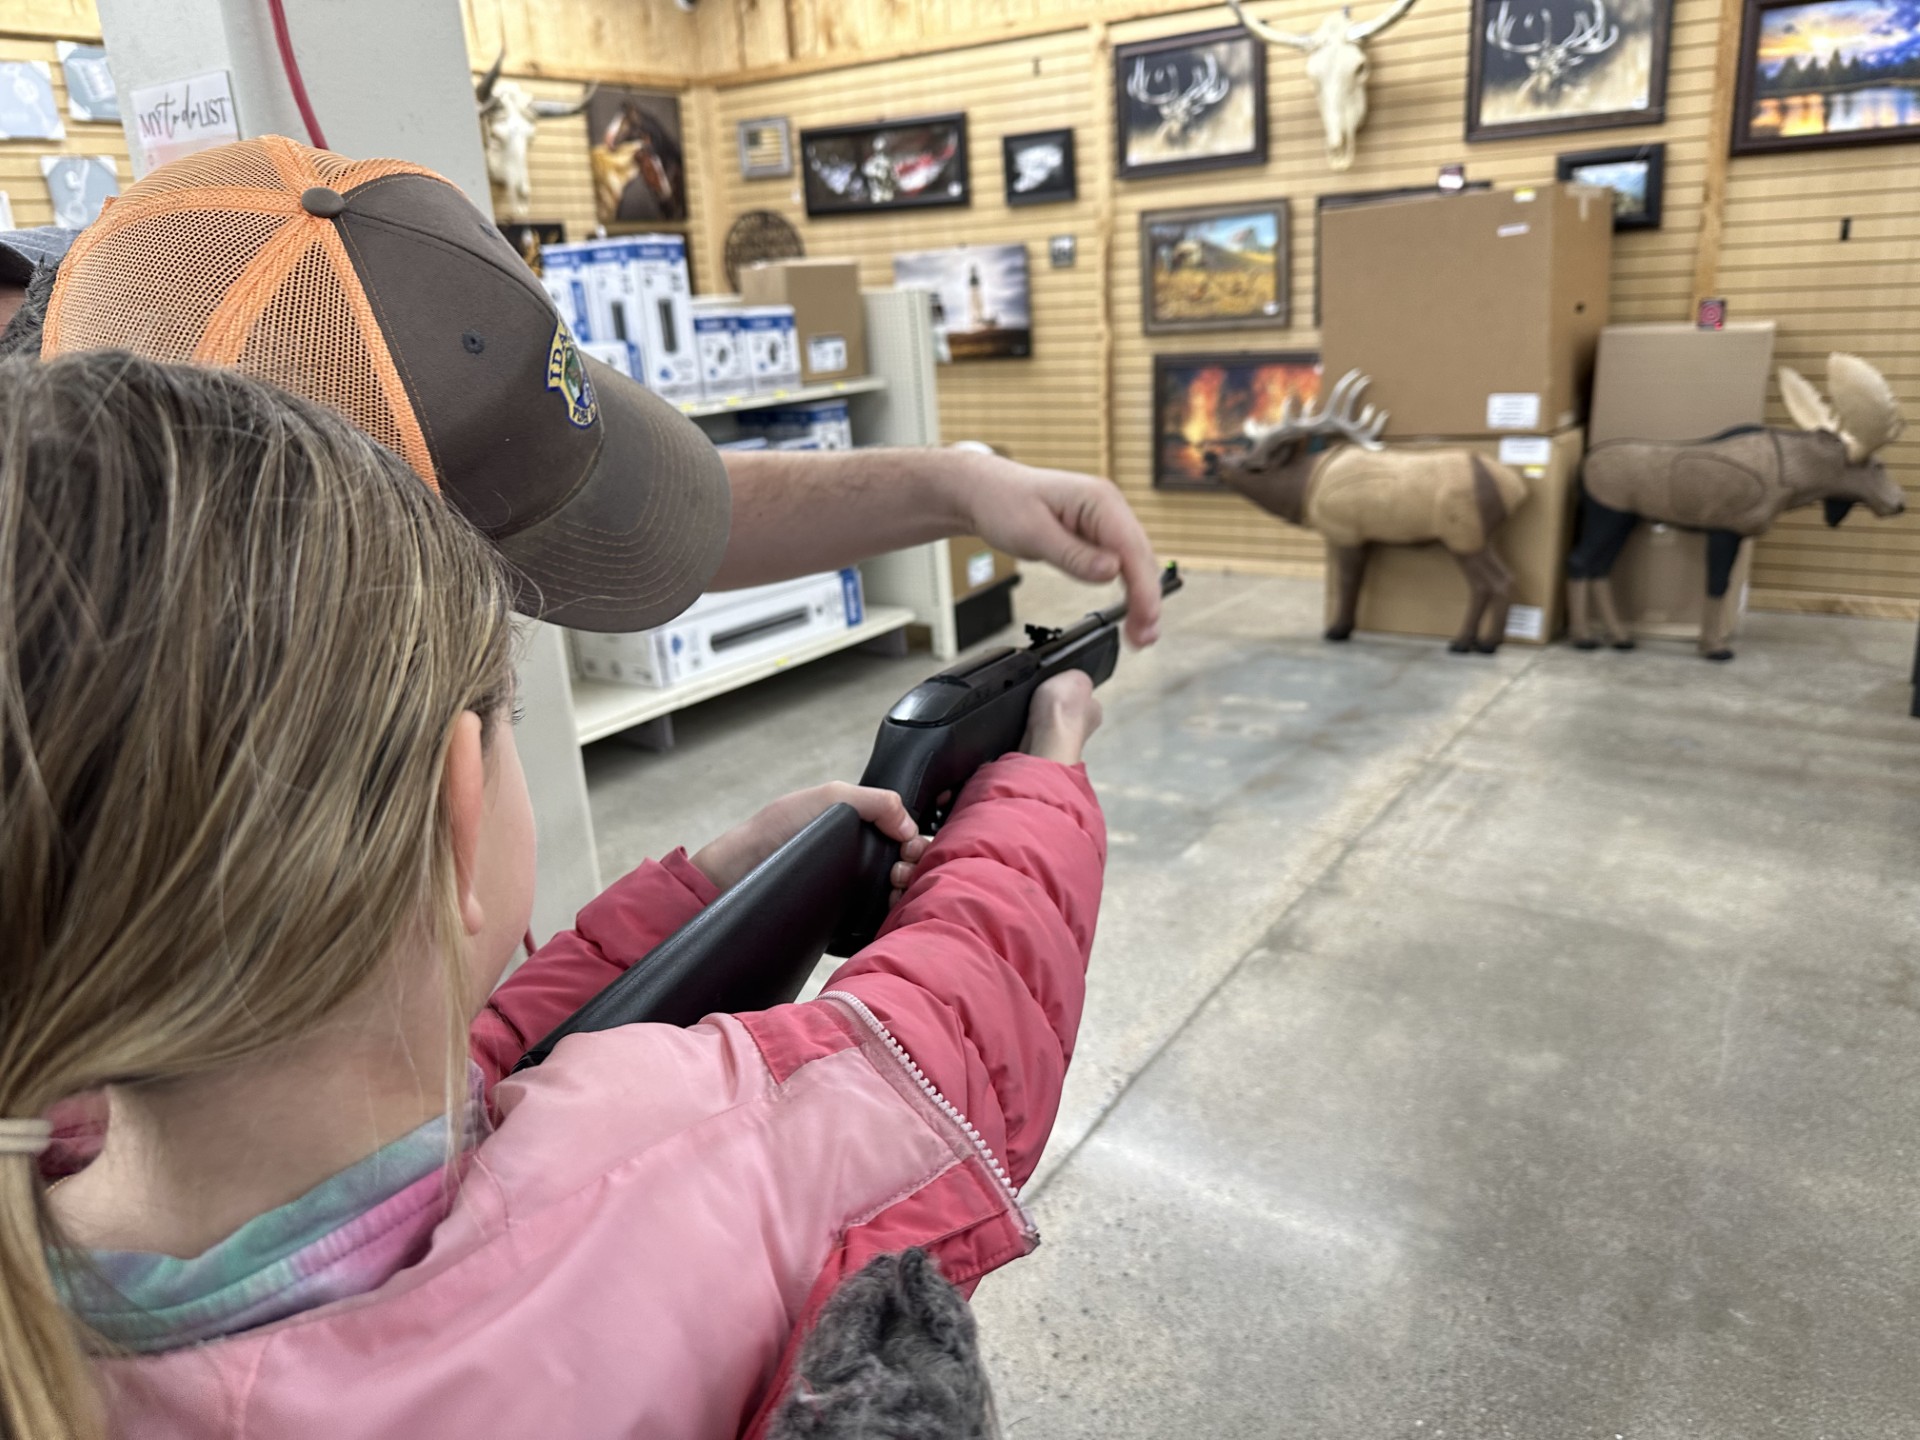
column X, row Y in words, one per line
column 1526, row 450
column 1513, row 410
column 1526, row 622
column 1523, row 197
column 1507, row 232
column 979, row 569
column 826, row 354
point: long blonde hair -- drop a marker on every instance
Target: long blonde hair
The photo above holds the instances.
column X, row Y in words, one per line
column 235, row 635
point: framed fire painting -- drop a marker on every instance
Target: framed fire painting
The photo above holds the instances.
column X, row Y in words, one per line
column 1202, row 403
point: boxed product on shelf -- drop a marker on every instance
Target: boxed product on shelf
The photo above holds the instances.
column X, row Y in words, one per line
column 1420, row 590
column 829, row 423
column 725, row 629
column 673, row 362
column 719, row 341
column 564, row 277
column 830, row 323
column 773, row 355
column 1474, row 314
column 619, row 356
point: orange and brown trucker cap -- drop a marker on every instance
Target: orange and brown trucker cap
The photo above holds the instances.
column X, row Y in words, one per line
column 376, row 287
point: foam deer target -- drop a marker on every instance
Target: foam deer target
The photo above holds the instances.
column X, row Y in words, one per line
column 1732, row 487
column 1360, row 494
column 1337, row 68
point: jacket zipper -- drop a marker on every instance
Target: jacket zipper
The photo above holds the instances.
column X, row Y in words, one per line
column 945, row 1106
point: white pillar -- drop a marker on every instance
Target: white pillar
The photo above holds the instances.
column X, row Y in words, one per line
column 384, row 79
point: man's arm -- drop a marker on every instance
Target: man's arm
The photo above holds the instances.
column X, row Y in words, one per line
column 798, row 512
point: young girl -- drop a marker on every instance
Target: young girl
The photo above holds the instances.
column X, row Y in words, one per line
column 267, row 849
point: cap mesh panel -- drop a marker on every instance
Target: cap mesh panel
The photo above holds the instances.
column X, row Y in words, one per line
column 152, row 285
column 225, row 167
column 306, row 341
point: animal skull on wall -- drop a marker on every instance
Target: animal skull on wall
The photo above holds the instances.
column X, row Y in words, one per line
column 509, row 118
column 1336, row 67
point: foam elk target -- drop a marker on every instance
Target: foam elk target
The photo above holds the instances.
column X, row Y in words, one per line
column 1359, row 494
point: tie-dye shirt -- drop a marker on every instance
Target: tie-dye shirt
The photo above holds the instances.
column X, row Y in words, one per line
column 344, row 1237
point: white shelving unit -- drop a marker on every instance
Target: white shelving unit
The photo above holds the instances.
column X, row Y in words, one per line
column 895, row 405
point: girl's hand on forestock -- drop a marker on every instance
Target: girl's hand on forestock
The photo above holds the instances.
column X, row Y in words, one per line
column 727, row 860
column 1063, row 714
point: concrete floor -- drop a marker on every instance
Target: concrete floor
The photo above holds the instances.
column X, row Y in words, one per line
column 1524, row 1046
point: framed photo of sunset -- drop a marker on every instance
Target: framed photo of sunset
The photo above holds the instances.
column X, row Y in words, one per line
column 1819, row 73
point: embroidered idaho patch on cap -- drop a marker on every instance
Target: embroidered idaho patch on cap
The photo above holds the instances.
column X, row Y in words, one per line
column 567, row 374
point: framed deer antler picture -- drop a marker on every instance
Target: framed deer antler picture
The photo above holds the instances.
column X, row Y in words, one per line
column 1547, row 67
column 1190, row 102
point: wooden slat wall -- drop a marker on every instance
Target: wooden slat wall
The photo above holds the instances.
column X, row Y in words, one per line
column 1783, row 257
column 20, row 173
column 1049, row 409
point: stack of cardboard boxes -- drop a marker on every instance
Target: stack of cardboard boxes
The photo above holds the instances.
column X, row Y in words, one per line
column 1476, row 316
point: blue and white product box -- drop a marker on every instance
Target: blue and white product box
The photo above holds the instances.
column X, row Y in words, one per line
column 828, row 423
column 616, row 305
column 659, row 263
column 720, row 342
column 725, row 630
column 613, row 354
column 565, row 279
column 773, row 347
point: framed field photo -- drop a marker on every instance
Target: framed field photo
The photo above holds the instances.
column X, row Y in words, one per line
column 1190, row 102
column 1039, row 167
column 888, row 165
column 1636, row 174
column 1202, row 403
column 1218, row 267
column 1835, row 72
column 1545, row 67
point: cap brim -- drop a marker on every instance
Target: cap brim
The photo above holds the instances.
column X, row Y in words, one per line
column 638, row 542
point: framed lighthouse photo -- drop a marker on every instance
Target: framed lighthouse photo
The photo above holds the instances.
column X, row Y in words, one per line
column 982, row 304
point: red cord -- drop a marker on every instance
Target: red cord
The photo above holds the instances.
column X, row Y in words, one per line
column 292, row 66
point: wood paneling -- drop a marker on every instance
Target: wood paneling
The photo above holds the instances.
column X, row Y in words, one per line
column 55, row 19
column 20, row 176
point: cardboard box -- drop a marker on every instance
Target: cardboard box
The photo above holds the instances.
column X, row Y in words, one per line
column 829, row 320
column 1677, row 382
column 1420, row 590
column 1660, row 583
column 1474, row 314
column 977, row 566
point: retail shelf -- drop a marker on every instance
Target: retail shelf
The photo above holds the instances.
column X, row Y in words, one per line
column 601, row 709
column 866, row 384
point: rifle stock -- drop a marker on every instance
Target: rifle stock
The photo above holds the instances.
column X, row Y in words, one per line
column 826, row 889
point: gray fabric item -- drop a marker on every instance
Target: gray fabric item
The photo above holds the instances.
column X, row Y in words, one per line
column 894, row 1357
column 22, row 335
column 22, row 252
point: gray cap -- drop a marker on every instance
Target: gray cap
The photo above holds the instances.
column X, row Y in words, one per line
column 24, row 251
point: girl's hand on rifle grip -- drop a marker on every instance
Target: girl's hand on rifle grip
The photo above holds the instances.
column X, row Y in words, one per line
column 728, row 860
column 1064, row 713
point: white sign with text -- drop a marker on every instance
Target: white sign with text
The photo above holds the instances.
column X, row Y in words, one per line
column 179, row 117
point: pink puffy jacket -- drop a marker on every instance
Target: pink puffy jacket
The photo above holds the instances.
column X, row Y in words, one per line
column 641, row 1243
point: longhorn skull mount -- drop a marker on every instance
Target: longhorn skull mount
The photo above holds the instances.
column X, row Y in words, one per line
column 1361, row 494
column 1732, row 487
column 509, row 118
column 1337, row 68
